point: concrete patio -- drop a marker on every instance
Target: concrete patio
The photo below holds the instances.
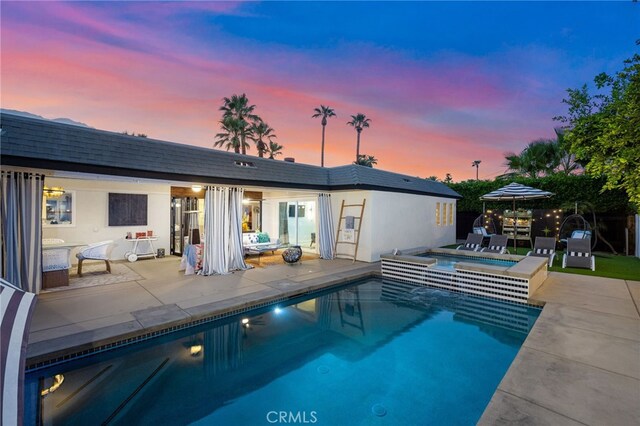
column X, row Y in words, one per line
column 580, row 363
column 74, row 320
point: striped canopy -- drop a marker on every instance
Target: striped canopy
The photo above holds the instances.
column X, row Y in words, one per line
column 516, row 191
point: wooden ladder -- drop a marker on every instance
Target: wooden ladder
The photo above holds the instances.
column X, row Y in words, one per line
column 356, row 229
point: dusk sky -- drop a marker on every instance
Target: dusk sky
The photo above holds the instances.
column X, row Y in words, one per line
column 444, row 83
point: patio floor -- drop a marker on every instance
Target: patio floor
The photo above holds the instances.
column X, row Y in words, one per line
column 85, row 318
column 580, row 363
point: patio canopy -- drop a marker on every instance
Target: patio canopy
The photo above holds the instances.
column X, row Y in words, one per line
column 515, row 191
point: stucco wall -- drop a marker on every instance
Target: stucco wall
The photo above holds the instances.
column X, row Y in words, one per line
column 91, row 222
column 394, row 220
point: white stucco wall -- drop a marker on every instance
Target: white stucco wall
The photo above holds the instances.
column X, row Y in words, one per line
column 92, row 211
column 394, row 220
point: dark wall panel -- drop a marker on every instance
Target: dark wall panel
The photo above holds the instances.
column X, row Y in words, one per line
column 127, row 209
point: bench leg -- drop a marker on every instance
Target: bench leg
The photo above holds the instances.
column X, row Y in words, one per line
column 80, row 267
column 108, row 266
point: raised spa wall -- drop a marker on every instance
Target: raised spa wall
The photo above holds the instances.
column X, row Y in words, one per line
column 515, row 283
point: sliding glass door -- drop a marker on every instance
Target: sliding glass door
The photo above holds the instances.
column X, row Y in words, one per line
column 297, row 223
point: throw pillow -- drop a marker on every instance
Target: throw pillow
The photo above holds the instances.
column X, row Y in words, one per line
column 263, row 237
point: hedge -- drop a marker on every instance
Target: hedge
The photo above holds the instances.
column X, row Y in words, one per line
column 567, row 190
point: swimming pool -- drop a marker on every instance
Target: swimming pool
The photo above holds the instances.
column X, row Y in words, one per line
column 448, row 261
column 375, row 352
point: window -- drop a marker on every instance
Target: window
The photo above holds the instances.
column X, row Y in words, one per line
column 450, row 213
column 59, row 209
column 438, row 214
column 444, row 214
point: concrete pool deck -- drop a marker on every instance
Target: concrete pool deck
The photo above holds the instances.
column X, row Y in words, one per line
column 74, row 320
column 580, row 363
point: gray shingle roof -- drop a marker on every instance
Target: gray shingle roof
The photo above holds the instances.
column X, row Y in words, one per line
column 35, row 143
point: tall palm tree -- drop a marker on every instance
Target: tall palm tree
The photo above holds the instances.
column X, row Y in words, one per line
column 259, row 131
column 359, row 122
column 366, row 160
column 228, row 137
column 238, row 107
column 274, row 149
column 324, row 112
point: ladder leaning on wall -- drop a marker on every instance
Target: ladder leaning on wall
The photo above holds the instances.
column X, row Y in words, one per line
column 357, row 224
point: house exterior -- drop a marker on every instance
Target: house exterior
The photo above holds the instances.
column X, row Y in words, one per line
column 86, row 165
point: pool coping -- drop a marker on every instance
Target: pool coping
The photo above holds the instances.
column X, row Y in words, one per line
column 160, row 320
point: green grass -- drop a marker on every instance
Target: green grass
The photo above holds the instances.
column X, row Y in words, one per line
column 607, row 265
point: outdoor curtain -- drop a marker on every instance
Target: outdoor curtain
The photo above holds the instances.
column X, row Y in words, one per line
column 21, row 227
column 15, row 317
column 326, row 236
column 222, row 248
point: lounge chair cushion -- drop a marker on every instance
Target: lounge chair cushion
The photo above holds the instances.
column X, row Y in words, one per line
column 471, row 245
column 495, row 248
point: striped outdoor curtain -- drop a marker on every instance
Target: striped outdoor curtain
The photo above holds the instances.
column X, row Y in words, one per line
column 326, row 236
column 21, row 228
column 16, row 312
column 236, row 250
column 222, row 249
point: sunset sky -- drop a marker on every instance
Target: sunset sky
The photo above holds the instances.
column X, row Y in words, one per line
column 444, row 83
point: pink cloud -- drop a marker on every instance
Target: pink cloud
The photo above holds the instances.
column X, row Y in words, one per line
column 430, row 116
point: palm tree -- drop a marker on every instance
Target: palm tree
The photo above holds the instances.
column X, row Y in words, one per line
column 274, row 149
column 539, row 157
column 324, row 112
column 228, row 137
column 259, row 131
column 366, row 160
column 238, row 107
column 359, row 121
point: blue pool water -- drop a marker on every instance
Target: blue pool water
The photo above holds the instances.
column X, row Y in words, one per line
column 378, row 352
column 447, row 261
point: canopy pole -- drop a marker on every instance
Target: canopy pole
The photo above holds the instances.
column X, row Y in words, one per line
column 515, row 228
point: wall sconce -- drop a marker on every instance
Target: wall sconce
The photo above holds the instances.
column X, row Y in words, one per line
column 196, row 188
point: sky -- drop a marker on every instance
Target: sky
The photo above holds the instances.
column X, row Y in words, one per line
column 444, row 83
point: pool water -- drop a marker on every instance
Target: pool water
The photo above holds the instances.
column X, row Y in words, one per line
column 377, row 352
column 448, row 261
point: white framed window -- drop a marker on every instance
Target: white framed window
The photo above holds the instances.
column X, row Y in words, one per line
column 438, row 214
column 59, row 210
column 451, row 213
column 444, row 214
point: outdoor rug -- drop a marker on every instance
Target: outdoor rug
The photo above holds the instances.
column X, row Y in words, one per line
column 94, row 274
column 268, row 259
